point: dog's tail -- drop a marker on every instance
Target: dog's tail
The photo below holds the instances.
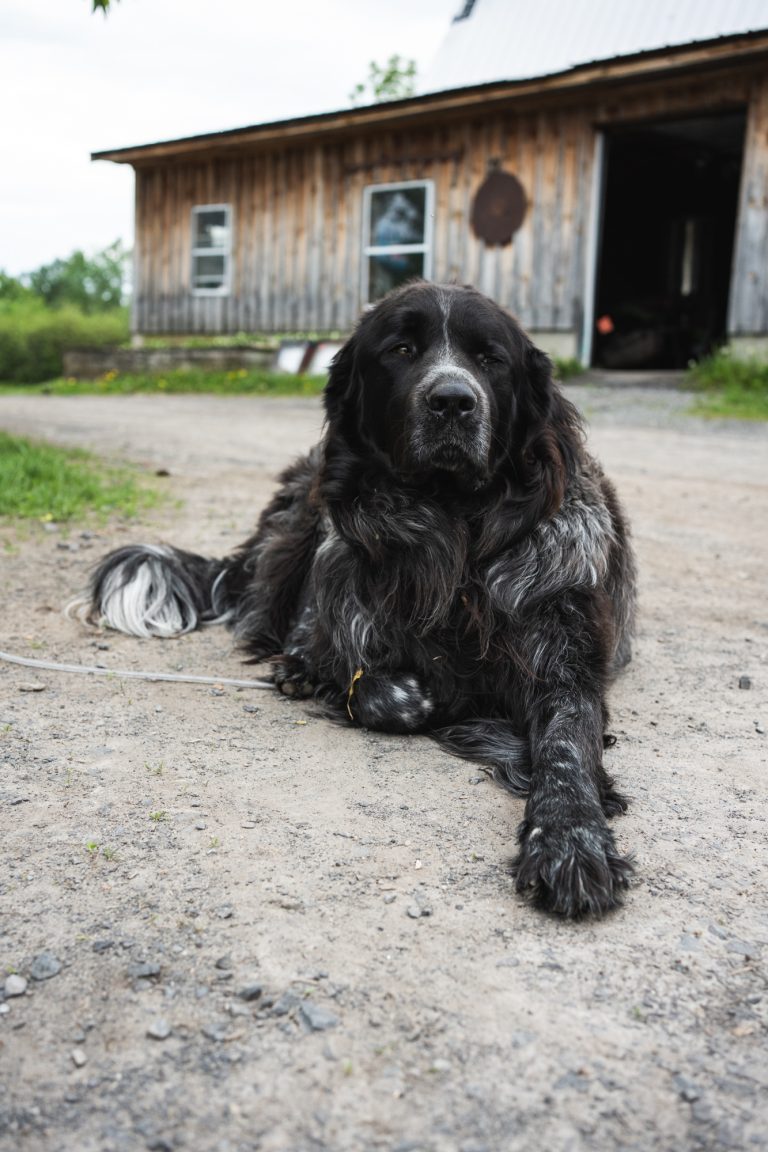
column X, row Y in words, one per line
column 494, row 744
column 156, row 590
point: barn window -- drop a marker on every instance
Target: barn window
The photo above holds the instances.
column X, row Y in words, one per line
column 211, row 249
column 397, row 235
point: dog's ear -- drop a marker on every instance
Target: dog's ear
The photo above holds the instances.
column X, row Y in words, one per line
column 552, row 432
column 342, row 381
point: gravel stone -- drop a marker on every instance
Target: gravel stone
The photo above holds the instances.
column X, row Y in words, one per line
column 159, row 1029
column 44, row 966
column 317, row 1019
column 15, row 985
column 250, row 992
column 144, row 971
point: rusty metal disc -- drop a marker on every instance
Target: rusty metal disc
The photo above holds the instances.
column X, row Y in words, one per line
column 498, row 209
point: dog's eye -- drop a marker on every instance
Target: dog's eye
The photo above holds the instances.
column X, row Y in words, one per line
column 402, row 349
column 484, row 359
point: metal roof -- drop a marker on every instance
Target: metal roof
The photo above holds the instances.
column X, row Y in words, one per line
column 518, row 39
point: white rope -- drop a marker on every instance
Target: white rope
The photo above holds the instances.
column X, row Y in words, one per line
column 126, row 674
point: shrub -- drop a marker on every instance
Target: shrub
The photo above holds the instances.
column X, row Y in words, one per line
column 731, row 386
column 33, row 338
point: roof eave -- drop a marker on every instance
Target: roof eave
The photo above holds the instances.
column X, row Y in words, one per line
column 722, row 52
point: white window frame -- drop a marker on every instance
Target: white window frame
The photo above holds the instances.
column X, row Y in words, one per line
column 369, row 250
column 225, row 251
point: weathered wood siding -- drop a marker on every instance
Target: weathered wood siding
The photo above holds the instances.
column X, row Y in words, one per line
column 748, row 310
column 297, row 213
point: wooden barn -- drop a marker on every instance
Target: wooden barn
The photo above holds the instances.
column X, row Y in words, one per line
column 618, row 207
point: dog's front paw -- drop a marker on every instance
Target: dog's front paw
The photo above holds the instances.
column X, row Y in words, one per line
column 574, row 870
column 291, row 677
column 389, row 702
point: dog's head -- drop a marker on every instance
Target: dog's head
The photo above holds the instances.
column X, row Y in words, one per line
column 438, row 381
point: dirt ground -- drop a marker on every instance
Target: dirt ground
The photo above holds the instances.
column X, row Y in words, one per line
column 242, row 927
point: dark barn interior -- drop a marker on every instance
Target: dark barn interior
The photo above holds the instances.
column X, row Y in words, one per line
column 669, row 214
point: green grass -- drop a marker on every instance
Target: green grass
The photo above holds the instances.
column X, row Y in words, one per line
column 730, row 387
column 42, row 482
column 241, row 382
column 566, row 367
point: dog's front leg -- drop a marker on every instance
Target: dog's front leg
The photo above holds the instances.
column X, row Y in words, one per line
column 568, row 861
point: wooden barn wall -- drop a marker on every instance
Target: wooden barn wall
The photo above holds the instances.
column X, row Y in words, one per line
column 748, row 306
column 297, row 215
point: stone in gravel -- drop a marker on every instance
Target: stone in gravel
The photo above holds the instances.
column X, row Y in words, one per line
column 145, row 971
column 15, row 985
column 285, row 1004
column 317, row 1019
column 390, row 898
column 102, row 945
column 225, row 912
column 416, row 911
column 686, row 1089
column 250, row 708
column 742, row 948
column 44, row 966
column 745, row 682
column 31, row 686
column 78, row 1057
column 220, row 1034
column 159, row 1029
column 250, row 992
column 224, row 963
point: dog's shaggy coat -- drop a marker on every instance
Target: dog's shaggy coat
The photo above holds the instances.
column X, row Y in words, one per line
column 448, row 560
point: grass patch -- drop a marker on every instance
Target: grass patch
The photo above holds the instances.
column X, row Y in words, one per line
column 731, row 387
column 242, row 382
column 567, row 367
column 42, row 482
column 238, row 383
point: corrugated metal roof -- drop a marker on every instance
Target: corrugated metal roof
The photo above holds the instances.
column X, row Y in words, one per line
column 520, row 39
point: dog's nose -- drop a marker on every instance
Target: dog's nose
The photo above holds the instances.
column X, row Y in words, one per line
column 451, row 399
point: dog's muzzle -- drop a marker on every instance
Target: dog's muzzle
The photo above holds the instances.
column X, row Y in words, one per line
column 450, row 422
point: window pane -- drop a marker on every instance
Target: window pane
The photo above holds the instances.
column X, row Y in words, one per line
column 211, row 229
column 207, row 271
column 386, row 272
column 398, row 216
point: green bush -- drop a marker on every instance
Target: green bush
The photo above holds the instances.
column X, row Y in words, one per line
column 33, row 338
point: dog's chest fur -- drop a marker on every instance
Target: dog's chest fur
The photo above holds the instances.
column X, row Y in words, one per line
column 449, row 587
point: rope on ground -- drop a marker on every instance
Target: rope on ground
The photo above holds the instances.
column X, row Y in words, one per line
column 127, row 674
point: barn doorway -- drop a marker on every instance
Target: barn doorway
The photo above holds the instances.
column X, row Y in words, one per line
column 669, row 215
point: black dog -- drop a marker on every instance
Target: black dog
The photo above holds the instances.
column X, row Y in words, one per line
column 448, row 560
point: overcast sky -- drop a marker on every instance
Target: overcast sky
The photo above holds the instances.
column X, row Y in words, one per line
column 72, row 83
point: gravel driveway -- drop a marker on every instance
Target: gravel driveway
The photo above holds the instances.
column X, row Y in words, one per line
column 231, row 925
